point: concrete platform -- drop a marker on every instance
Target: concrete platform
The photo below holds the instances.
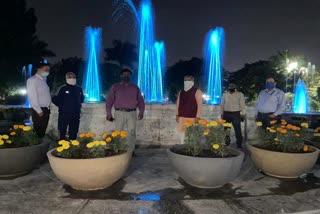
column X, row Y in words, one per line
column 151, row 187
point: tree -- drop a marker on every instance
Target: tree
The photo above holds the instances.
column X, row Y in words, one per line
column 124, row 53
column 19, row 44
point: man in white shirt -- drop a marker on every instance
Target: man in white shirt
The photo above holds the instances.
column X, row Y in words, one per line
column 40, row 98
column 232, row 110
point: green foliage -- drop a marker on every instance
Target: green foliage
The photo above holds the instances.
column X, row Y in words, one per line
column 20, row 136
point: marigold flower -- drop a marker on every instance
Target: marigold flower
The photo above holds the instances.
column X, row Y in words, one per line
column 212, row 123
column 13, row 133
column 273, row 122
column 75, row 143
column 189, row 123
column 215, row 146
column 227, row 125
column 272, row 131
column 103, row 143
column 96, row 143
column 276, row 139
column 284, row 122
column 114, row 134
column 283, row 131
column 304, row 125
column 66, row 145
column 82, row 135
column 61, row 142
column 283, row 127
column 123, row 134
column 90, row 145
column 6, row 137
column 316, row 134
column 108, row 139
column 26, row 128
column 297, row 135
column 60, row 149
column 317, row 129
column 305, row 148
column 259, row 123
column 206, row 132
column 21, row 126
column 202, row 122
column 1, row 142
column 8, row 141
column 104, row 135
column 89, row 135
column 15, row 126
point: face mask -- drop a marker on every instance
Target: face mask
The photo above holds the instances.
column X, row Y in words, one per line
column 125, row 79
column 270, row 85
column 232, row 90
column 188, row 85
column 71, row 81
column 44, row 74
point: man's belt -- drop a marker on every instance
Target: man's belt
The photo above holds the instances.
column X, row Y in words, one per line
column 125, row 109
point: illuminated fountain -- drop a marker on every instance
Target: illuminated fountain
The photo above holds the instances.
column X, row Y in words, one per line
column 92, row 84
column 301, row 97
column 213, row 55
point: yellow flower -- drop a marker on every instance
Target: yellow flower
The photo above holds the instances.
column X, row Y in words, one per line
column 21, row 126
column 316, row 134
column 89, row 135
column 213, row 123
column 13, row 133
column 272, row 131
column 60, row 149
column 227, row 125
column 114, row 134
column 75, row 143
column 206, row 132
column 26, row 128
column 317, row 129
column 66, row 145
column 273, row 122
column 82, row 135
column 123, row 134
column 103, row 143
column 96, row 143
column 305, row 148
column 202, row 122
column 104, row 135
column 305, row 125
column 61, row 142
column 6, row 137
column 16, row 127
column 259, row 123
column 8, row 141
column 90, row 145
column 108, row 139
column 276, row 139
column 189, row 123
column 1, row 142
column 215, row 146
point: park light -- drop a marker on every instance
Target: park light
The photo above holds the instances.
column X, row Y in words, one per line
column 22, row 91
column 206, row 97
column 292, row 66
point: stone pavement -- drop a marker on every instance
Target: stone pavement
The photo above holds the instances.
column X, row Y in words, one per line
column 152, row 187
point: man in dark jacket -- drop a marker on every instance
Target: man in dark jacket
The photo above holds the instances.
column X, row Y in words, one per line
column 69, row 100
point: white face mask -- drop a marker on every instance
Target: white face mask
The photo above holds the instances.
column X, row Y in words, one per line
column 71, row 81
column 44, row 74
column 188, row 85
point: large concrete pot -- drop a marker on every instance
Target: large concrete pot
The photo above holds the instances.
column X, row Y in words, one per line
column 282, row 164
column 206, row 172
column 90, row 174
column 19, row 161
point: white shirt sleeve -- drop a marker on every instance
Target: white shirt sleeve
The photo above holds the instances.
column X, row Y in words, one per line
column 33, row 95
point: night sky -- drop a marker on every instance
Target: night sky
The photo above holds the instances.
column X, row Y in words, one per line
column 255, row 29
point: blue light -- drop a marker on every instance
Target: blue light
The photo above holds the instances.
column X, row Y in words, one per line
column 27, row 74
column 147, row 197
column 213, row 53
column 92, row 79
column 300, row 101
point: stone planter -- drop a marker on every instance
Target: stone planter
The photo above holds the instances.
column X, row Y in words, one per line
column 282, row 164
column 206, row 172
column 20, row 161
column 90, row 174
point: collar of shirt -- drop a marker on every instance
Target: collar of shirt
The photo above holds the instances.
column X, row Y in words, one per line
column 270, row 92
column 40, row 77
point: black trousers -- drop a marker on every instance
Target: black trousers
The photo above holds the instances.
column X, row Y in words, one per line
column 235, row 119
column 71, row 120
column 265, row 119
column 40, row 124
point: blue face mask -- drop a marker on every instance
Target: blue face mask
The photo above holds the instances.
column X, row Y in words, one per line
column 270, row 85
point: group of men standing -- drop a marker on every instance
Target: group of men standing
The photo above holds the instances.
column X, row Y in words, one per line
column 126, row 97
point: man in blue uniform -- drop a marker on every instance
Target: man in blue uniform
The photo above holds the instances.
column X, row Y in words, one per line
column 69, row 100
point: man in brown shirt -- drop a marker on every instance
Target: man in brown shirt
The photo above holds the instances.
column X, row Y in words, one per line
column 189, row 105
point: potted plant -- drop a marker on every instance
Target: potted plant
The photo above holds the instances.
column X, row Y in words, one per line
column 204, row 160
column 20, row 151
column 280, row 150
column 89, row 163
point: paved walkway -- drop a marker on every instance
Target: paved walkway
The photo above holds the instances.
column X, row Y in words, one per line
column 151, row 187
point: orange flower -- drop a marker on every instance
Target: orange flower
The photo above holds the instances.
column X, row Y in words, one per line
column 221, row 121
column 202, row 122
column 273, row 122
column 305, row 148
column 189, row 123
column 283, row 131
column 12, row 133
column 289, row 126
column 283, row 127
column 279, row 129
column 297, row 135
column 206, row 132
column 284, row 122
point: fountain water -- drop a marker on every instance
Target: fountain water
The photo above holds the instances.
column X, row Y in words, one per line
column 300, row 101
column 151, row 53
column 92, row 83
column 213, row 52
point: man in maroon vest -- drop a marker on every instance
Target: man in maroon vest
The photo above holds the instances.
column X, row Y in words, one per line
column 189, row 105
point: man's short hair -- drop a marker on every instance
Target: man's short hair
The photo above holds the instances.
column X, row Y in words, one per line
column 70, row 74
column 125, row 70
column 41, row 64
column 189, row 76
